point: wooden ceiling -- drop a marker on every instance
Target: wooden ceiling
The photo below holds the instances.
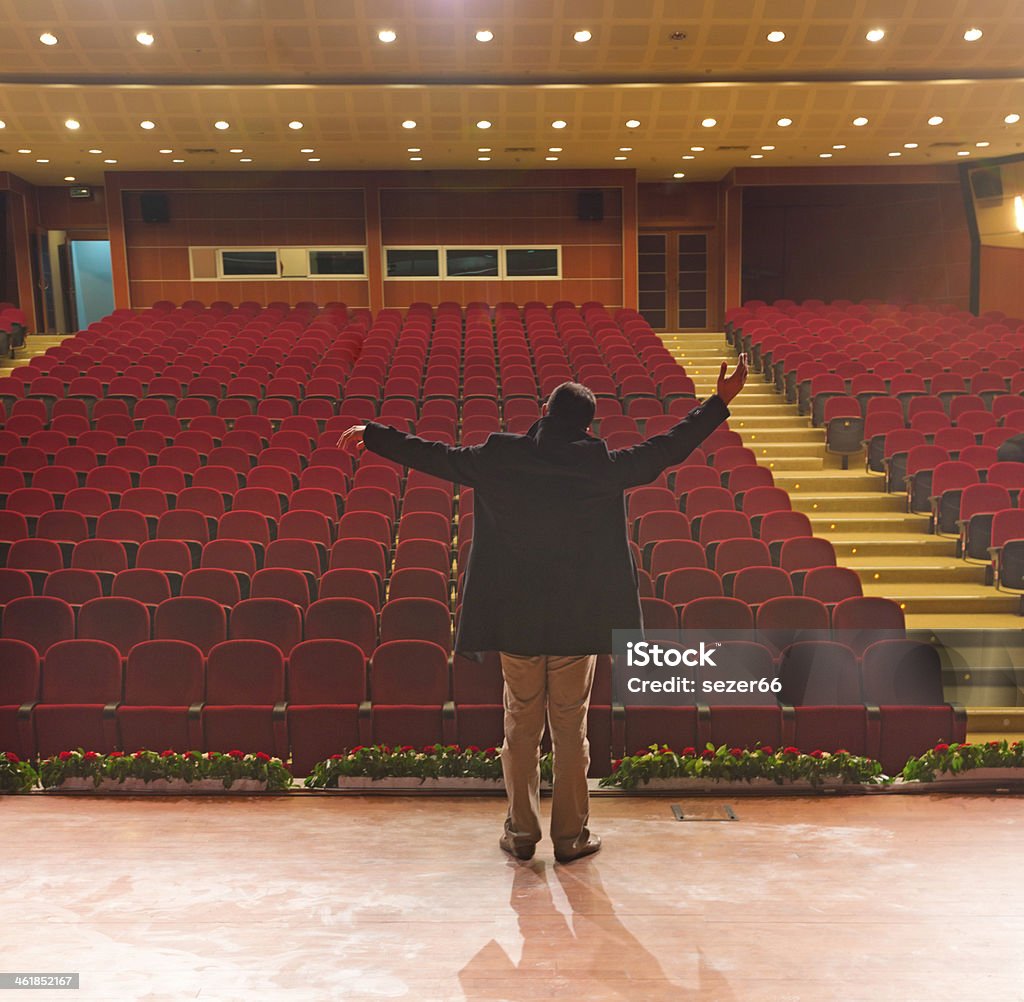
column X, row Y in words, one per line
column 668, row 64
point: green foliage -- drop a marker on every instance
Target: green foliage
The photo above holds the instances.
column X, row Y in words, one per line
column 431, row 762
column 961, row 757
column 736, row 764
column 16, row 776
column 148, row 766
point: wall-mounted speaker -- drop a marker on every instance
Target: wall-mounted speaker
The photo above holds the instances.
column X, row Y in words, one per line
column 590, row 205
column 987, row 182
column 154, row 207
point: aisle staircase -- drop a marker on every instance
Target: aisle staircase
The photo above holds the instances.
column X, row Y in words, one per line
column 872, row 533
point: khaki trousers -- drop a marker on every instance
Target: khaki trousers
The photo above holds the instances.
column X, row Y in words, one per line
column 558, row 687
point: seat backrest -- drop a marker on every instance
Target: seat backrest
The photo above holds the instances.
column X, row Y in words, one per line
column 409, row 672
column 81, row 671
column 246, row 672
column 902, row 673
column 326, row 672
column 200, row 621
column 164, row 673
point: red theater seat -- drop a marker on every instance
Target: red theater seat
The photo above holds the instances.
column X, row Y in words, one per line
column 409, row 685
column 19, row 685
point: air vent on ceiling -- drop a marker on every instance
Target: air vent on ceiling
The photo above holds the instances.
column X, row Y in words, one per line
column 963, row 144
column 520, row 149
column 201, row 150
column 732, row 149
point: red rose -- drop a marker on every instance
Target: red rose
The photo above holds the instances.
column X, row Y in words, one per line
column 189, row 754
column 139, row 753
column 842, row 751
column 736, row 752
column 429, row 749
column 707, row 753
column 167, row 753
column 358, row 748
column 491, row 752
column 337, row 756
column 262, row 756
column 89, row 756
column 455, row 748
column 116, row 754
column 616, row 764
column 472, row 748
column 993, row 744
column 11, row 757
column 790, row 750
column 641, row 751
column 407, row 748
column 766, row 749
column 235, row 753
column 690, row 751
column 942, row 746
column 64, row 756
column 817, row 753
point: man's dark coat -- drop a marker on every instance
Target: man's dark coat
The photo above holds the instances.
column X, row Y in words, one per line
column 550, row 569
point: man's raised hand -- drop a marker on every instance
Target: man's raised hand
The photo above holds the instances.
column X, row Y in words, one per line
column 352, row 439
column 729, row 386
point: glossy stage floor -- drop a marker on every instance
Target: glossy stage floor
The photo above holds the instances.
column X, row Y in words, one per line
column 376, row 898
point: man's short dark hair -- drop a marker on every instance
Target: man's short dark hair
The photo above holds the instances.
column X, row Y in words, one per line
column 572, row 403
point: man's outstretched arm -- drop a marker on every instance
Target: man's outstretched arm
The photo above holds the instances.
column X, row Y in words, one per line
column 644, row 462
column 460, row 465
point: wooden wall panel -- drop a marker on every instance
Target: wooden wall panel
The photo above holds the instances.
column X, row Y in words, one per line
column 893, row 242
column 1002, row 280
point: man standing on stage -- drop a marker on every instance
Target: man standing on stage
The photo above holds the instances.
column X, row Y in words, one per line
column 550, row 576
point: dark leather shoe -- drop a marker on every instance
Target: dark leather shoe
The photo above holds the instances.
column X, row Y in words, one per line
column 587, row 849
column 523, row 852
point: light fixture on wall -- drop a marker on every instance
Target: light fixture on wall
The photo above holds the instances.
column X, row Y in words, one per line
column 1018, row 212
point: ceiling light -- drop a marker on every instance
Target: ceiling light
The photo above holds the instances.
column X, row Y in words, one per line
column 963, row 153
column 776, row 36
column 72, row 123
column 222, row 125
column 696, row 149
column 110, row 161
column 551, row 158
column 678, row 174
column 620, row 158
column 840, row 146
column 688, row 156
column 305, row 149
column 408, row 124
column 314, row 160
column 415, row 158
column 784, row 123
column 295, row 125
column 483, row 159
column 145, row 38
column 171, row 151
column 48, row 38
column 1012, row 119
column 483, row 124
column 24, row 151
column 859, row 121
column 1018, row 212
column 236, row 149
column 972, row 34
column 935, row 120
column 483, row 149
column 94, row 151
column 767, row 149
column 71, row 177
column 825, row 156
column 3, row 124
column 241, row 160
column 386, row 35
column 554, row 149
column 147, row 124
column 558, row 123
column 484, row 36
column 42, row 161
column 709, row 123
column 895, row 153
column 875, row 35
column 910, row 146
column 177, row 161
column 582, row 36
column 982, row 146
column 633, row 123
column 757, row 156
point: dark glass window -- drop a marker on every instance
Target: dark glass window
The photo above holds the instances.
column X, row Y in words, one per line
column 249, row 262
column 413, row 263
column 528, row 261
column 474, row 262
column 336, row 262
